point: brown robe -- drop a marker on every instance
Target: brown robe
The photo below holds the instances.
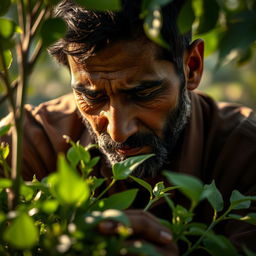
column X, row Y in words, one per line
column 219, row 142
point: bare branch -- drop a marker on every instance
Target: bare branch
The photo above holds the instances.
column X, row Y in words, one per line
column 27, row 39
column 36, row 8
column 35, row 55
column 14, row 86
column 20, row 8
column 38, row 22
column 5, row 77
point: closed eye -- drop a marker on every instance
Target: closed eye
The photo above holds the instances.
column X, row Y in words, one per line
column 90, row 96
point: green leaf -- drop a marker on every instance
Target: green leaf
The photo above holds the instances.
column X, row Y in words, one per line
column 148, row 6
column 219, row 245
column 182, row 215
column 213, row 195
column 100, row 5
column 239, row 201
column 240, row 34
column 73, row 157
column 4, row 151
column 50, row 206
column 2, row 217
column 7, row 28
column 92, row 162
column 118, row 201
column 27, row 192
column 7, row 44
column 4, row 6
column 152, row 27
column 197, row 226
column 22, row 232
column 66, row 185
column 51, row 2
column 123, row 169
column 186, row 17
column 7, row 54
column 248, row 252
column 209, row 16
column 190, row 186
column 78, row 153
column 94, row 182
column 4, row 129
column 249, row 218
column 83, row 154
column 144, row 184
column 52, row 30
column 158, row 188
column 5, row 183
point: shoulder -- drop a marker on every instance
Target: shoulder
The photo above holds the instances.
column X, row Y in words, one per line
column 224, row 115
column 44, row 127
column 229, row 143
column 54, row 118
column 58, row 108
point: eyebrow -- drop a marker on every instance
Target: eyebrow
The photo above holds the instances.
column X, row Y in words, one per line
column 143, row 86
column 148, row 84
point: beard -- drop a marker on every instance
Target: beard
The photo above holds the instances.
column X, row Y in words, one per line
column 161, row 148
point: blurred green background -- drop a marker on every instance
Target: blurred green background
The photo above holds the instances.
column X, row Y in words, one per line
column 229, row 82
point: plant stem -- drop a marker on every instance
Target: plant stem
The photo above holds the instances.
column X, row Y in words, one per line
column 13, row 88
column 214, row 222
column 22, row 59
column 5, row 77
column 102, row 193
column 195, row 246
column 151, row 201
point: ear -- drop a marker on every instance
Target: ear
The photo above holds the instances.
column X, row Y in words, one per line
column 194, row 64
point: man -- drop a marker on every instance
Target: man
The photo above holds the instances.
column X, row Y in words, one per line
column 135, row 97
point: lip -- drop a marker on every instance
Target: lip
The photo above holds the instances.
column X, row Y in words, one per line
column 133, row 151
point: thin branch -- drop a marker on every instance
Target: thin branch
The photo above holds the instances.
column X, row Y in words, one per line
column 36, row 8
column 38, row 22
column 26, row 42
column 5, row 78
column 35, row 55
column 20, row 8
column 14, row 86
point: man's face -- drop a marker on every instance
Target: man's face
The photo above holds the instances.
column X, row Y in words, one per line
column 131, row 102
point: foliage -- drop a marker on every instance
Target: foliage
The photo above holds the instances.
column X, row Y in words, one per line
column 55, row 216
column 227, row 26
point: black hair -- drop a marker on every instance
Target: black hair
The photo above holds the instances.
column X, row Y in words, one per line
column 91, row 31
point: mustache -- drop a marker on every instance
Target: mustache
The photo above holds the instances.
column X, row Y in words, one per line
column 136, row 140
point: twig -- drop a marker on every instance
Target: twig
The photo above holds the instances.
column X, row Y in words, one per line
column 36, row 8
column 20, row 8
column 13, row 88
column 26, row 42
column 35, row 55
column 38, row 22
column 5, row 77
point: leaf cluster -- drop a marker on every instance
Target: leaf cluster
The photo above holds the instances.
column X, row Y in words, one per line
column 60, row 214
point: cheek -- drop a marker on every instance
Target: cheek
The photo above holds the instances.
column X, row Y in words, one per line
column 154, row 115
column 87, row 112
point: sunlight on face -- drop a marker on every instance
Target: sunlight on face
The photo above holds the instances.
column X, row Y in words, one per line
column 131, row 102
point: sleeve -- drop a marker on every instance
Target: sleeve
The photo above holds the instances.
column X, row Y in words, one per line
column 44, row 127
column 237, row 170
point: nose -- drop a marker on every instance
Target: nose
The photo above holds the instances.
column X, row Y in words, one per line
column 120, row 122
